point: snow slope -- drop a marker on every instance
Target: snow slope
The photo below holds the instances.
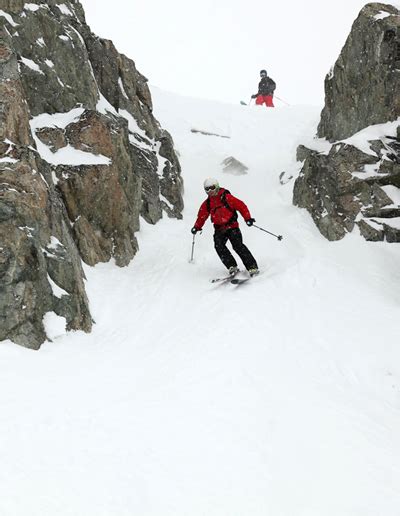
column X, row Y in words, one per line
column 279, row 397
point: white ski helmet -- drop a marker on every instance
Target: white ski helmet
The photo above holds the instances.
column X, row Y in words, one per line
column 211, row 184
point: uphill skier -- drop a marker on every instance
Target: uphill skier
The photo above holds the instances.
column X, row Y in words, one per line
column 266, row 88
column 222, row 206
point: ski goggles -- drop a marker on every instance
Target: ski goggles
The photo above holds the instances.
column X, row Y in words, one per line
column 263, row 74
column 208, row 188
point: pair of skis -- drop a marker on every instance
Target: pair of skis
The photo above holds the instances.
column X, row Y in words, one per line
column 232, row 279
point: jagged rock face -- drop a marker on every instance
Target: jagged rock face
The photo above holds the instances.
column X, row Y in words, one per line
column 363, row 87
column 357, row 182
column 346, row 187
column 12, row 6
column 81, row 158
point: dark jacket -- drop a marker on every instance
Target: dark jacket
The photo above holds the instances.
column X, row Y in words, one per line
column 266, row 86
column 221, row 216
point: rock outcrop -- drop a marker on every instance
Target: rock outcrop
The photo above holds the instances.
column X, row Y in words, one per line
column 233, row 166
column 352, row 177
column 363, row 87
column 81, row 159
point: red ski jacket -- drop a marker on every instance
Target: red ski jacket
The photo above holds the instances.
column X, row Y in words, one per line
column 222, row 217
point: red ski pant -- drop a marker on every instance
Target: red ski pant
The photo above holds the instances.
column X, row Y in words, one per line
column 265, row 99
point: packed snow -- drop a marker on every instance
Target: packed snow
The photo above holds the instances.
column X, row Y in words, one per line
column 277, row 397
column 8, row 18
column 120, row 84
column 104, row 107
column 382, row 15
column 31, row 64
column 54, row 325
column 393, row 222
column 64, row 9
column 8, row 160
column 362, row 138
column 368, row 171
column 31, row 7
column 57, row 291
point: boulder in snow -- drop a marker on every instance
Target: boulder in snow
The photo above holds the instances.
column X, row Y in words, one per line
column 233, row 166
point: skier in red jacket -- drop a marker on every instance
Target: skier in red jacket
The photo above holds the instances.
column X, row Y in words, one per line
column 222, row 207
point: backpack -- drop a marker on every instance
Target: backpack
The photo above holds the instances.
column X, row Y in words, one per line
column 226, row 204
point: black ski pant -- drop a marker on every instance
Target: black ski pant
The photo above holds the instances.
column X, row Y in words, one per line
column 235, row 237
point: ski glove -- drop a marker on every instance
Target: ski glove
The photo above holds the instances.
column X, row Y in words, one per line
column 194, row 230
column 250, row 222
column 254, row 96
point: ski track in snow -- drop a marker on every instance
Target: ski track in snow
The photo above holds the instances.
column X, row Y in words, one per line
column 280, row 396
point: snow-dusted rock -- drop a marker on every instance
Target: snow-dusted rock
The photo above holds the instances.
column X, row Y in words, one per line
column 81, row 158
column 347, row 186
column 341, row 184
column 364, row 87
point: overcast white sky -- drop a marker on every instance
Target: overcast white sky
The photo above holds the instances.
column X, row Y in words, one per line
column 215, row 48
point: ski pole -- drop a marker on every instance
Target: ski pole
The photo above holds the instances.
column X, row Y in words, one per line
column 284, row 101
column 279, row 237
column 192, row 255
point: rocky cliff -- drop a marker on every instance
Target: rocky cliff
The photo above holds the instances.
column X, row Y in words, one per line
column 351, row 176
column 81, row 159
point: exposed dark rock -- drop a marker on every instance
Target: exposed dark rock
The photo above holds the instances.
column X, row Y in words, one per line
column 94, row 133
column 285, row 177
column 53, row 137
column 12, row 6
column 171, row 182
column 392, row 234
column 53, row 212
column 145, row 159
column 102, row 197
column 346, row 186
column 62, row 77
column 30, row 258
column 303, row 153
column 363, row 87
column 371, row 232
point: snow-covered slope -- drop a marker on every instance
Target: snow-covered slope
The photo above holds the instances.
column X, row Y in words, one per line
column 279, row 397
